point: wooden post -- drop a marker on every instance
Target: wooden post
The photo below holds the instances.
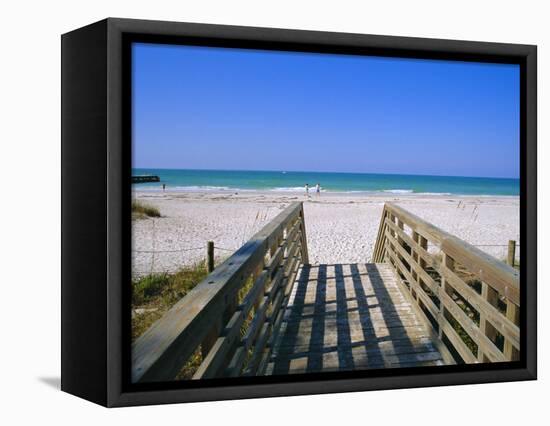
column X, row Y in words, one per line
column 304, row 252
column 209, row 256
column 512, row 313
column 449, row 263
column 489, row 294
column 415, row 256
column 511, row 253
column 424, row 245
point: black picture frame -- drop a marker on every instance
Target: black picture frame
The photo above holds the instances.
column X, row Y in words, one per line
column 96, row 165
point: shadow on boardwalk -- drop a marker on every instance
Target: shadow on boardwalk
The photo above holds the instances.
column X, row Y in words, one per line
column 350, row 317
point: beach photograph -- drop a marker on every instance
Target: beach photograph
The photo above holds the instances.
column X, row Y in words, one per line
column 307, row 213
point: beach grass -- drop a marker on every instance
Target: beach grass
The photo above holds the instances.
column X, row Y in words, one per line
column 141, row 210
column 154, row 294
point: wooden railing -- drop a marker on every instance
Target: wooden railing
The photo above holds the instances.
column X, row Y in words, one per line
column 470, row 298
column 231, row 319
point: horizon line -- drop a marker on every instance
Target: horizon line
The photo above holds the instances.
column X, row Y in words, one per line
column 324, row 171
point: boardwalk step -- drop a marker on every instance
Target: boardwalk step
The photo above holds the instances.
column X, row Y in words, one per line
column 350, row 317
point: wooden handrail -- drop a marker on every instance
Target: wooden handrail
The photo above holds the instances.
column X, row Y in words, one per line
column 470, row 298
column 233, row 331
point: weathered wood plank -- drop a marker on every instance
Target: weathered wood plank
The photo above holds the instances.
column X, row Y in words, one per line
column 357, row 359
column 408, row 253
column 470, row 327
column 421, row 342
column 303, row 244
column 497, row 274
column 343, row 317
column 511, row 351
column 428, row 303
column 427, row 279
column 503, row 325
column 161, row 351
column 457, row 342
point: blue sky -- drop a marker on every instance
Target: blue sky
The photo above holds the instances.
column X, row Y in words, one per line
column 236, row 109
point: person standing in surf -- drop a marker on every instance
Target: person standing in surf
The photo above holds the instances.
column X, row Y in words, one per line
column 318, row 189
column 307, row 190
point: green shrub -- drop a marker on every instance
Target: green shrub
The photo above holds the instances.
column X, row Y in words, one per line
column 157, row 293
column 146, row 288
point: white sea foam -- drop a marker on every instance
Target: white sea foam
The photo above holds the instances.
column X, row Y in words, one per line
column 435, row 193
column 204, row 188
column 290, row 189
column 300, row 189
column 399, row 191
column 190, row 188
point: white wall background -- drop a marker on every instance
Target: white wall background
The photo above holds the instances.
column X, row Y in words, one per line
column 30, row 209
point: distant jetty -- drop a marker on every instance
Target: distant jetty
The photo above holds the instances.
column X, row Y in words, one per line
column 145, row 178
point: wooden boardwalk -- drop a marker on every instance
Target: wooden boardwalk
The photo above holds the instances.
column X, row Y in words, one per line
column 428, row 298
column 350, row 317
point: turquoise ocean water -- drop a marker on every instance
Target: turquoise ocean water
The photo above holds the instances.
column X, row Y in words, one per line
column 224, row 180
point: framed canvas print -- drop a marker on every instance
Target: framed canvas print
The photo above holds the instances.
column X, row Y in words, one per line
column 252, row 212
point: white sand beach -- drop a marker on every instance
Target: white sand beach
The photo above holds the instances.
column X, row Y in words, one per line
column 340, row 227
